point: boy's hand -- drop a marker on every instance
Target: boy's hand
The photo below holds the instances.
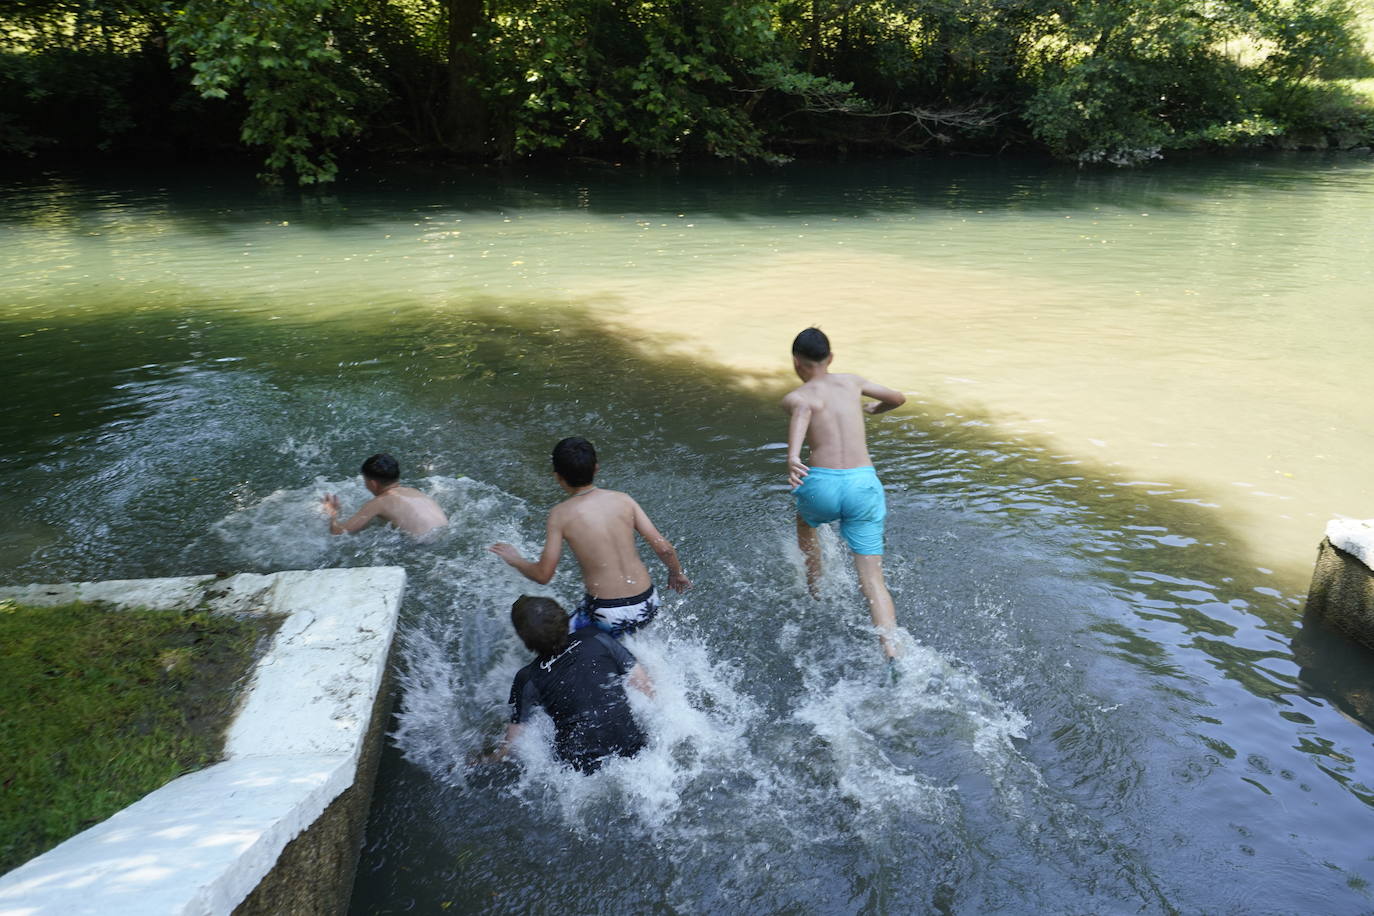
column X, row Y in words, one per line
column 679, row 582
column 506, row 552
column 796, row 471
column 331, row 505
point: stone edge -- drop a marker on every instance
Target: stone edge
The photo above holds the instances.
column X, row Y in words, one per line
column 215, row 840
column 1354, row 536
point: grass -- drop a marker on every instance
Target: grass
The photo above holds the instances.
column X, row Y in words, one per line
column 99, row 707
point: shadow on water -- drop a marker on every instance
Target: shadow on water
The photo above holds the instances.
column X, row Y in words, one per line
column 94, row 374
column 1022, row 573
column 83, row 201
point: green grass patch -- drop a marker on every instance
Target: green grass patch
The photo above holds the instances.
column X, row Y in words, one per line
column 99, row 707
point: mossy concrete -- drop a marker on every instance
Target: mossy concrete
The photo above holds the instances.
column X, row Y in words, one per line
column 276, row 826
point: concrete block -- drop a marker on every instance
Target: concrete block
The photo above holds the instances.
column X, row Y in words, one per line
column 276, row 826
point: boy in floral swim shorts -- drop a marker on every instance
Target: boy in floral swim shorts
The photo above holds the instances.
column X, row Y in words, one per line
column 600, row 526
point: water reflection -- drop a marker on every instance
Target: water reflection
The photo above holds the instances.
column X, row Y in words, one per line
column 1334, row 665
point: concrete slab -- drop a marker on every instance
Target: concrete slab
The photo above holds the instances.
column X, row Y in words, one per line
column 1354, row 536
column 203, row 842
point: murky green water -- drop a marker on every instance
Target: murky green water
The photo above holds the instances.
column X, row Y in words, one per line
column 1136, row 400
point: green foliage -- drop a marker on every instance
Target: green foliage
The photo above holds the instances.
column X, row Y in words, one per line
column 79, row 24
column 96, row 708
column 1310, row 38
column 661, row 78
column 1320, row 109
column 745, row 79
column 74, row 69
column 1166, row 74
column 284, row 56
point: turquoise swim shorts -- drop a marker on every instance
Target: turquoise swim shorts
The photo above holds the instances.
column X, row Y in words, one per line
column 854, row 496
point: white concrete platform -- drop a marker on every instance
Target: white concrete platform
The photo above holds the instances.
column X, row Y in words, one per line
column 201, row 843
column 1354, row 536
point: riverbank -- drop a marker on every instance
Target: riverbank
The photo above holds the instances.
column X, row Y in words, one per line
column 1351, row 130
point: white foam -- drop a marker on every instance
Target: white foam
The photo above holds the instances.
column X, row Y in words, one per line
column 719, row 727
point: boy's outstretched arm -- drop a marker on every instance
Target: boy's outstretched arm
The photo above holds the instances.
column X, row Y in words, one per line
column 639, row 680
column 796, row 435
column 677, row 579
column 502, row 751
column 355, row 524
column 886, row 398
column 543, row 570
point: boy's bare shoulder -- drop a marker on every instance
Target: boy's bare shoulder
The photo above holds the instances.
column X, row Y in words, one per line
column 603, row 497
column 618, row 496
column 802, row 394
column 618, row 505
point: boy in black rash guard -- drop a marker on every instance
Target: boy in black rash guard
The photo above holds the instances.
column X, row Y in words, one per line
column 579, row 680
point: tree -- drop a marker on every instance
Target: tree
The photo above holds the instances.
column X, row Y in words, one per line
column 285, row 56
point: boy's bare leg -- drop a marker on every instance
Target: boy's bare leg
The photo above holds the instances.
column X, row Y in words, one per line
column 880, row 606
column 810, row 546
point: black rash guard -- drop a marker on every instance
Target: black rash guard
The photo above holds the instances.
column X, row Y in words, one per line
column 582, row 690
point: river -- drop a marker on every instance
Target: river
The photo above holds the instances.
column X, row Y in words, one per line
column 1135, row 399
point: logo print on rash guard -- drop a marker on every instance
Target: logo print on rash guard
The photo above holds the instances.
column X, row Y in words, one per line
column 548, row 665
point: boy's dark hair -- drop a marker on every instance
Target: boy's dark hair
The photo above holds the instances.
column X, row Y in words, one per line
column 574, row 459
column 811, row 345
column 541, row 624
column 382, row 468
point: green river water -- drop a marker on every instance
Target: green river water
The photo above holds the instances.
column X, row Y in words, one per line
column 1135, row 400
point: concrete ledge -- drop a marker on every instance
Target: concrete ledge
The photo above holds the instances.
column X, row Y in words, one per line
column 1354, row 536
column 303, row 742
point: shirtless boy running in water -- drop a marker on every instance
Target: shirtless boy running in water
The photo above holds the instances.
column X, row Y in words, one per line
column 404, row 507
column 840, row 484
column 600, row 526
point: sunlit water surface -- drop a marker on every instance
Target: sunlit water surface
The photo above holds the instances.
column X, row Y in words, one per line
column 1136, row 398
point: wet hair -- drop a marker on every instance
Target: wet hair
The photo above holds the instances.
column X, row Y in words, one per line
column 811, row 345
column 541, row 624
column 382, row 468
column 574, row 459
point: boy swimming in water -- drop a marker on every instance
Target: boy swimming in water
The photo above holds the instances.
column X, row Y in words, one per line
column 600, row 527
column 840, row 484
column 404, row 507
column 579, row 680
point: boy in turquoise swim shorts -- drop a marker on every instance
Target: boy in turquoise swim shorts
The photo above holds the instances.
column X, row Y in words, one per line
column 840, row 484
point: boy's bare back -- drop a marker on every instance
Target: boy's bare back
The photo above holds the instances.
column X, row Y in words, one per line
column 411, row 511
column 403, row 507
column 832, row 406
column 599, row 525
